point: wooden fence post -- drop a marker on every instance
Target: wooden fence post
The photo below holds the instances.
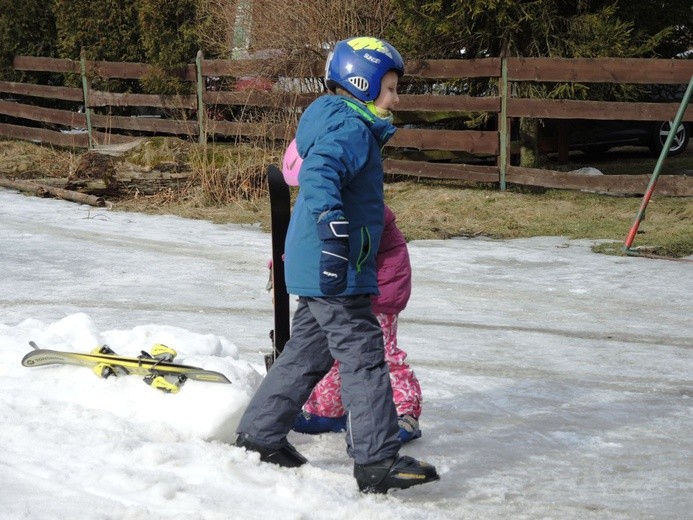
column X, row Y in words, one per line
column 503, row 126
column 85, row 94
column 200, row 101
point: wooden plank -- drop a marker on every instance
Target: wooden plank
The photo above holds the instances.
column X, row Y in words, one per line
column 45, row 64
column 453, row 69
column 234, row 68
column 45, row 115
column 236, row 129
column 122, row 70
column 99, row 98
column 271, row 67
column 432, row 103
column 673, row 186
column 601, row 70
column 466, row 172
column 608, row 110
column 43, row 91
column 146, row 124
column 258, row 98
column 427, row 102
column 106, row 138
column 131, row 70
column 472, row 141
column 668, row 185
column 41, row 135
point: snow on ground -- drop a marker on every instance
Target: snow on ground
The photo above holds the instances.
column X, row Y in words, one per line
column 557, row 382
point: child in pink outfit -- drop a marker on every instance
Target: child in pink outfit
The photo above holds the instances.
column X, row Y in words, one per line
column 323, row 411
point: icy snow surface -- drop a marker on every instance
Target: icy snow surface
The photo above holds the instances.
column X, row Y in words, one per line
column 557, row 382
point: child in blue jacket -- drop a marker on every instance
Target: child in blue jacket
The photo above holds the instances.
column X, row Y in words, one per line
column 331, row 244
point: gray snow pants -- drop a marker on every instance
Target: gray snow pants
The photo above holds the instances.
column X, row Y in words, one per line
column 325, row 329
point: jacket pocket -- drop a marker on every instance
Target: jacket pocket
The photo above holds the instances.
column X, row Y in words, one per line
column 364, row 249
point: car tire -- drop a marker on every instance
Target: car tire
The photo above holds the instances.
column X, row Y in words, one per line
column 660, row 134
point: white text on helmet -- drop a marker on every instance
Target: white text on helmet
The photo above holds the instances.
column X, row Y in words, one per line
column 372, row 58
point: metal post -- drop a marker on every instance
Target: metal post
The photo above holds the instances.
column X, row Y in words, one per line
column 655, row 174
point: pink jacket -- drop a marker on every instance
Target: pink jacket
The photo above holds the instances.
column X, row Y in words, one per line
column 394, row 269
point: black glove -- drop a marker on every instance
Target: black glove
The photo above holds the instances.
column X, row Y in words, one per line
column 334, row 260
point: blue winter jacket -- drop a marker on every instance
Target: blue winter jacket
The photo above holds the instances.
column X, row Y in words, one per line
column 341, row 177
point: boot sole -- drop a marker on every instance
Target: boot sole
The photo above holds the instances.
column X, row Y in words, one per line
column 396, row 483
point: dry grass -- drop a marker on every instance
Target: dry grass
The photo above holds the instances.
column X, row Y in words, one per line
column 158, row 150
column 223, row 175
column 28, row 161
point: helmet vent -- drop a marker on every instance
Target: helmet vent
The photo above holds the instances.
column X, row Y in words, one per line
column 359, row 82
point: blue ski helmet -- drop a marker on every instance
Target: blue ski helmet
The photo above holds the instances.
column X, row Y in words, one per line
column 359, row 64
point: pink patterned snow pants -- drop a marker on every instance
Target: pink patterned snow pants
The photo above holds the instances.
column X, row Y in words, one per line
column 326, row 399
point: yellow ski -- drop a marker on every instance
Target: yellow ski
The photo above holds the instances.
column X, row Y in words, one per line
column 121, row 365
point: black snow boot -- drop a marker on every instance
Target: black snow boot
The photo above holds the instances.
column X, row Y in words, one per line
column 393, row 473
column 287, row 456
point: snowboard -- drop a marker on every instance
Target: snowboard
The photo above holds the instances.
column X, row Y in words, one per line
column 280, row 213
column 139, row 366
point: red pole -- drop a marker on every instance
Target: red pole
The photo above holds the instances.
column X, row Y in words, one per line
column 640, row 216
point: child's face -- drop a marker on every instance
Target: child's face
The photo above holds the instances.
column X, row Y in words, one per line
column 388, row 98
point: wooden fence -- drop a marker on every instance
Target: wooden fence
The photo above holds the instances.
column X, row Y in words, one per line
column 101, row 123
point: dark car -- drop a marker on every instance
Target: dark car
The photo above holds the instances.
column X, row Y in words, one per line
column 596, row 136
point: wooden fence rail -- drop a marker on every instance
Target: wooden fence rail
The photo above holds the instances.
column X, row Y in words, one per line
column 107, row 117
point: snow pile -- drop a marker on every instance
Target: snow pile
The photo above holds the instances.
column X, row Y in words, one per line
column 200, row 410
